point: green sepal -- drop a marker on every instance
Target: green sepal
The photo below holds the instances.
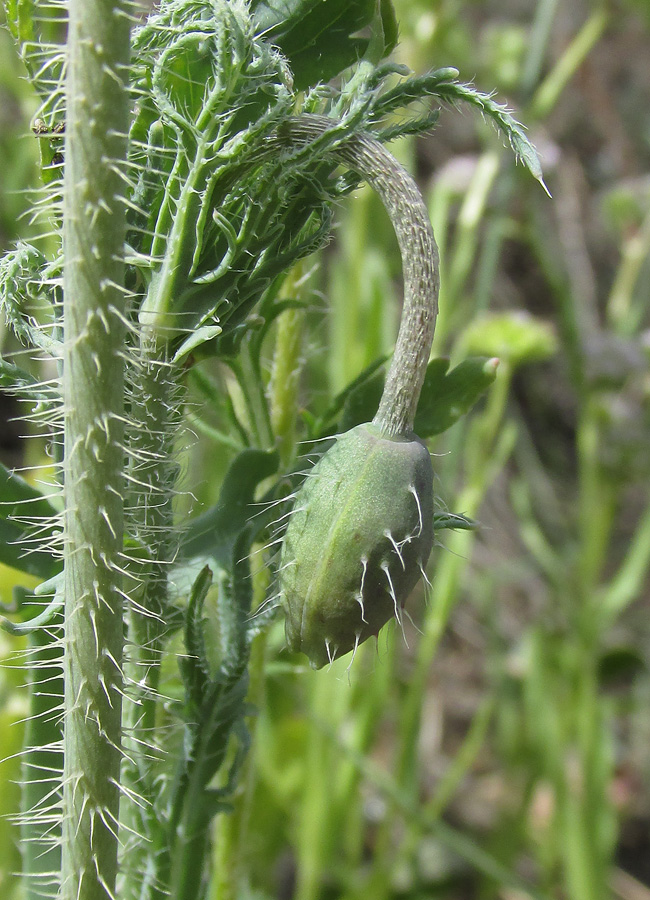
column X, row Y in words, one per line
column 357, row 541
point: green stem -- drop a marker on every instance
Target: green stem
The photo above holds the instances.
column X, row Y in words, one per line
column 287, row 367
column 97, row 119
column 409, row 215
column 41, row 772
column 597, row 503
column 153, row 473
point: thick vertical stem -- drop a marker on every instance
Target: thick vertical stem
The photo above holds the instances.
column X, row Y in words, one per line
column 94, row 226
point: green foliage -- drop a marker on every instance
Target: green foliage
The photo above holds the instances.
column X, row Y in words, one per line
column 449, row 395
column 517, row 338
column 22, row 510
column 220, row 206
column 320, row 39
column 215, row 532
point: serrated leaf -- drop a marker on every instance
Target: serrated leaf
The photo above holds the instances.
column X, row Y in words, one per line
column 447, row 396
column 214, row 533
column 20, row 502
column 320, row 37
column 20, row 21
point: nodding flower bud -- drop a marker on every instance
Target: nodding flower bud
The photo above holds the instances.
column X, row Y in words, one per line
column 357, row 541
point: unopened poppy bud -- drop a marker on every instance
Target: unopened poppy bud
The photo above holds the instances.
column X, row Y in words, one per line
column 357, row 541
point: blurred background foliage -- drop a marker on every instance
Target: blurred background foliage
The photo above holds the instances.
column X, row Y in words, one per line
column 499, row 748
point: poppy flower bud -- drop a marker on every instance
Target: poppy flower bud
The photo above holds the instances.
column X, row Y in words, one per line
column 357, row 541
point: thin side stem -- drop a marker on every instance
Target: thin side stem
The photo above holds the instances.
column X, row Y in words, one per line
column 94, row 227
column 287, row 368
column 410, row 218
column 43, row 763
column 155, row 413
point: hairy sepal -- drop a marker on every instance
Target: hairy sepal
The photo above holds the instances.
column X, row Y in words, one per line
column 359, row 536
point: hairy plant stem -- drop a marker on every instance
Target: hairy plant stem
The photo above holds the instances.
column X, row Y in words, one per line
column 97, row 118
column 41, row 771
column 155, row 418
column 410, row 218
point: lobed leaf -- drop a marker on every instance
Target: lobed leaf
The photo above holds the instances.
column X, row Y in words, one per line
column 444, row 84
column 447, row 396
column 320, row 38
column 215, row 532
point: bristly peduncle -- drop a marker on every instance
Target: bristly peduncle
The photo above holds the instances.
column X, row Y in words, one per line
column 410, row 218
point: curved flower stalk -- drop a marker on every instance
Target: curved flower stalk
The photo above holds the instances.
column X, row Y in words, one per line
column 362, row 528
column 410, row 219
